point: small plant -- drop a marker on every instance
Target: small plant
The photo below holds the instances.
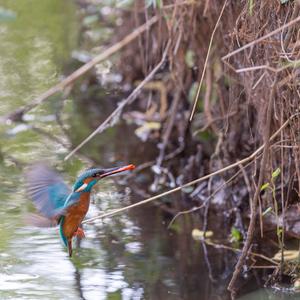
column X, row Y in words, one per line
column 236, row 235
column 272, row 187
column 251, row 5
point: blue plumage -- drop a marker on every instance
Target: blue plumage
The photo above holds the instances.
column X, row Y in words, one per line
column 57, row 204
column 47, row 190
column 86, row 174
column 50, row 195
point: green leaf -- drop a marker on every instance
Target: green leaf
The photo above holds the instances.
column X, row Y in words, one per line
column 264, row 186
column 279, row 231
column 236, row 235
column 251, row 5
column 190, row 59
column 276, row 173
column 269, row 209
column 192, row 94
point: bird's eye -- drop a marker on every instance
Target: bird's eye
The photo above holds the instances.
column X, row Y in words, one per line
column 94, row 175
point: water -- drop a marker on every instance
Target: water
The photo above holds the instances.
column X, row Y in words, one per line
column 131, row 256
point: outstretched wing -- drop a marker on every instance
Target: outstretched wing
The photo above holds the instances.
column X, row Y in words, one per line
column 47, row 190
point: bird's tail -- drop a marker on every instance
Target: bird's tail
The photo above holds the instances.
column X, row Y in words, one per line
column 61, row 233
column 66, row 242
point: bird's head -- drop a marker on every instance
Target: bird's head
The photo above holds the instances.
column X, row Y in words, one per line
column 89, row 178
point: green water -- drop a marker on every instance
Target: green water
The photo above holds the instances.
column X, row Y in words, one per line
column 113, row 262
column 132, row 256
column 33, row 43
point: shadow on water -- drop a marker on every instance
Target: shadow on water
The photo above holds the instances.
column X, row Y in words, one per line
column 131, row 256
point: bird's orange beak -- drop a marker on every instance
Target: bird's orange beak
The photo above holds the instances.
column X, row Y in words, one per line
column 112, row 171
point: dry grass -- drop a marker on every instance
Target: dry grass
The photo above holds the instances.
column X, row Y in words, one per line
column 252, row 63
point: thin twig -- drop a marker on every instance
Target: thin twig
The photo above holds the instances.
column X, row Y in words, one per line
column 206, row 61
column 254, row 68
column 194, row 209
column 167, row 133
column 288, row 35
column 122, row 104
column 17, row 114
column 292, row 64
column 261, row 38
column 207, row 100
column 179, row 188
column 251, row 227
column 220, row 246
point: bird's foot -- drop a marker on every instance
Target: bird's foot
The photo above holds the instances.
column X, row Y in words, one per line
column 70, row 250
column 79, row 233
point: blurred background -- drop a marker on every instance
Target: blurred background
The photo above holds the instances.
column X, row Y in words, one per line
column 134, row 255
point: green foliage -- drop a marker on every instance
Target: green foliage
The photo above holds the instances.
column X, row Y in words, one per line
column 264, row 186
column 272, row 187
column 176, row 227
column 190, row 58
column 114, row 295
column 206, row 136
column 268, row 210
column 192, row 94
column 271, row 184
column 236, row 235
column 276, row 173
column 279, row 231
column 251, row 5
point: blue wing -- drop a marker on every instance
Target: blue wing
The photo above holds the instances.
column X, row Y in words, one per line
column 47, row 190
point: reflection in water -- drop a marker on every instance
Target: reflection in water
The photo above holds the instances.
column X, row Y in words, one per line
column 267, row 294
column 31, row 47
column 35, row 256
column 78, row 284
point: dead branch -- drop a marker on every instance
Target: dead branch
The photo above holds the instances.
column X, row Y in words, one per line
column 279, row 29
column 206, row 60
column 122, row 104
column 191, row 183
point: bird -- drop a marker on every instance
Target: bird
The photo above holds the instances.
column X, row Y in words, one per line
column 57, row 204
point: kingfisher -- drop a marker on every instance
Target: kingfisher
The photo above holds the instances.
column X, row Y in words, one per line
column 57, row 204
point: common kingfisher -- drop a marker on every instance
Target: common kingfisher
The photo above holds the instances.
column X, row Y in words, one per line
column 60, row 206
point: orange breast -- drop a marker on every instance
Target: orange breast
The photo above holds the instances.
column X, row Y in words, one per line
column 75, row 215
